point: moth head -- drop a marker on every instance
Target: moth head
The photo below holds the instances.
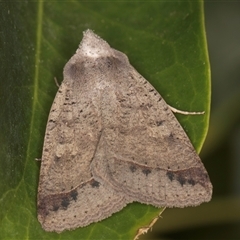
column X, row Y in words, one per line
column 93, row 46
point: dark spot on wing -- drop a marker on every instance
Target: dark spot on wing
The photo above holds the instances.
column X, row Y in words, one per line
column 170, row 175
column 132, row 168
column 146, row 171
column 181, row 179
column 74, row 194
column 56, row 202
column 94, row 183
column 160, row 122
column 192, row 176
column 191, row 181
column 65, row 202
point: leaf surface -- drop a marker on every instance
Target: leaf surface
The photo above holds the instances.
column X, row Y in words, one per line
column 164, row 41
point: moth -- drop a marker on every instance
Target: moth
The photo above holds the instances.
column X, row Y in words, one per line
column 110, row 140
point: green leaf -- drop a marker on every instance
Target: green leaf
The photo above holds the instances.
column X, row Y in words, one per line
column 165, row 41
